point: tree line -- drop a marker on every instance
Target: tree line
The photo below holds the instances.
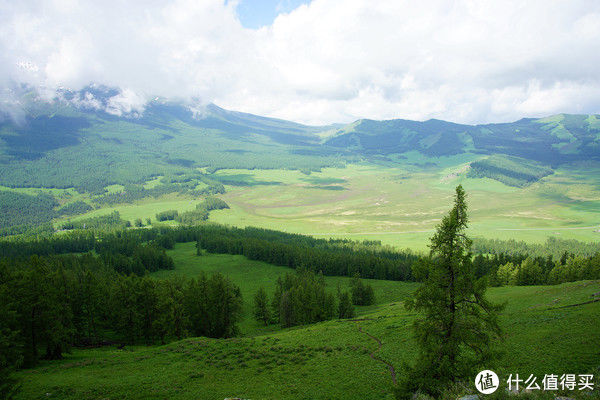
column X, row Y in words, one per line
column 334, row 257
column 330, row 257
column 525, row 269
column 106, row 222
column 553, row 246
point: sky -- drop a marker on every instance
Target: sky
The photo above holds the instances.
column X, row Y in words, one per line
column 254, row 14
column 317, row 62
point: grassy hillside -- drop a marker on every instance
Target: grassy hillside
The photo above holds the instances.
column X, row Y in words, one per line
column 511, row 171
column 250, row 275
column 548, row 329
column 68, row 144
column 62, row 146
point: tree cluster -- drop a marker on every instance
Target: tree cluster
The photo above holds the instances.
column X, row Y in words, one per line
column 55, row 302
column 168, row 215
column 362, row 293
column 533, row 271
column 318, row 255
column 301, row 298
column 24, row 209
column 74, row 208
column 202, row 211
column 512, row 171
column 523, row 269
column 106, row 222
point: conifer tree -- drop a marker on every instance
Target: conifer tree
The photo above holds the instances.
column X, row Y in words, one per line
column 10, row 356
column 457, row 324
column 345, row 308
column 261, row 306
column 362, row 294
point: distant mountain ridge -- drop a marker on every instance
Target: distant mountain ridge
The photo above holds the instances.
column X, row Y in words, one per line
column 95, row 138
column 554, row 140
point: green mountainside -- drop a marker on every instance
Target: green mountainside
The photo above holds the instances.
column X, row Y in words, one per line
column 63, row 145
column 68, row 154
column 553, row 140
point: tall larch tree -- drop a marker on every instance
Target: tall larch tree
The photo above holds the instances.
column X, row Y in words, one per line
column 457, row 324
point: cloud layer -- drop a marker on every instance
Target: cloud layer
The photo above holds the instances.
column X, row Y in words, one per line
column 329, row 61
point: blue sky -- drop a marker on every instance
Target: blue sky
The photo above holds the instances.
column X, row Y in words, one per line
column 257, row 13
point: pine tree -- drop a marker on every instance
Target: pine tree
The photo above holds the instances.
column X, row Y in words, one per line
column 362, row 294
column 458, row 323
column 345, row 308
column 261, row 306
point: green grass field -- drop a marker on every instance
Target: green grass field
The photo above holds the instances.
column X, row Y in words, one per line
column 399, row 205
column 540, row 338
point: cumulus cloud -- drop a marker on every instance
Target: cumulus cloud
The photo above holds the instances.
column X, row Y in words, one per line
column 464, row 60
column 126, row 102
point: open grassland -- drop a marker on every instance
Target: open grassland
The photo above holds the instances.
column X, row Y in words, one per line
column 146, row 208
column 399, row 205
column 548, row 329
column 402, row 207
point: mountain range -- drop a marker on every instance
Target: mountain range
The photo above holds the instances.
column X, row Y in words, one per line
column 67, row 143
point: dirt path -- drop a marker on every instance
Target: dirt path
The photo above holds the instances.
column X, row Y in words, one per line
column 376, row 358
column 574, row 305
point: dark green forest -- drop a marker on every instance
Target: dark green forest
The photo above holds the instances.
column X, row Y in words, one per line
column 23, row 209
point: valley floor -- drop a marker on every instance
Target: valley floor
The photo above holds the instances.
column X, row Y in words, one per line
column 399, row 205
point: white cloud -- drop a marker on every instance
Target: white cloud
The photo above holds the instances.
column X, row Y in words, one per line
column 329, row 61
column 126, row 102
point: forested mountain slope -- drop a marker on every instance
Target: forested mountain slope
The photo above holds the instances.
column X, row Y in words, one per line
column 81, row 140
column 556, row 139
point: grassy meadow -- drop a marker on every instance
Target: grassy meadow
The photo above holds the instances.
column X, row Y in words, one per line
column 399, row 205
column 547, row 329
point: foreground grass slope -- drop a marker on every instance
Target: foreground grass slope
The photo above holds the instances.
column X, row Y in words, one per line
column 548, row 329
column 250, row 275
